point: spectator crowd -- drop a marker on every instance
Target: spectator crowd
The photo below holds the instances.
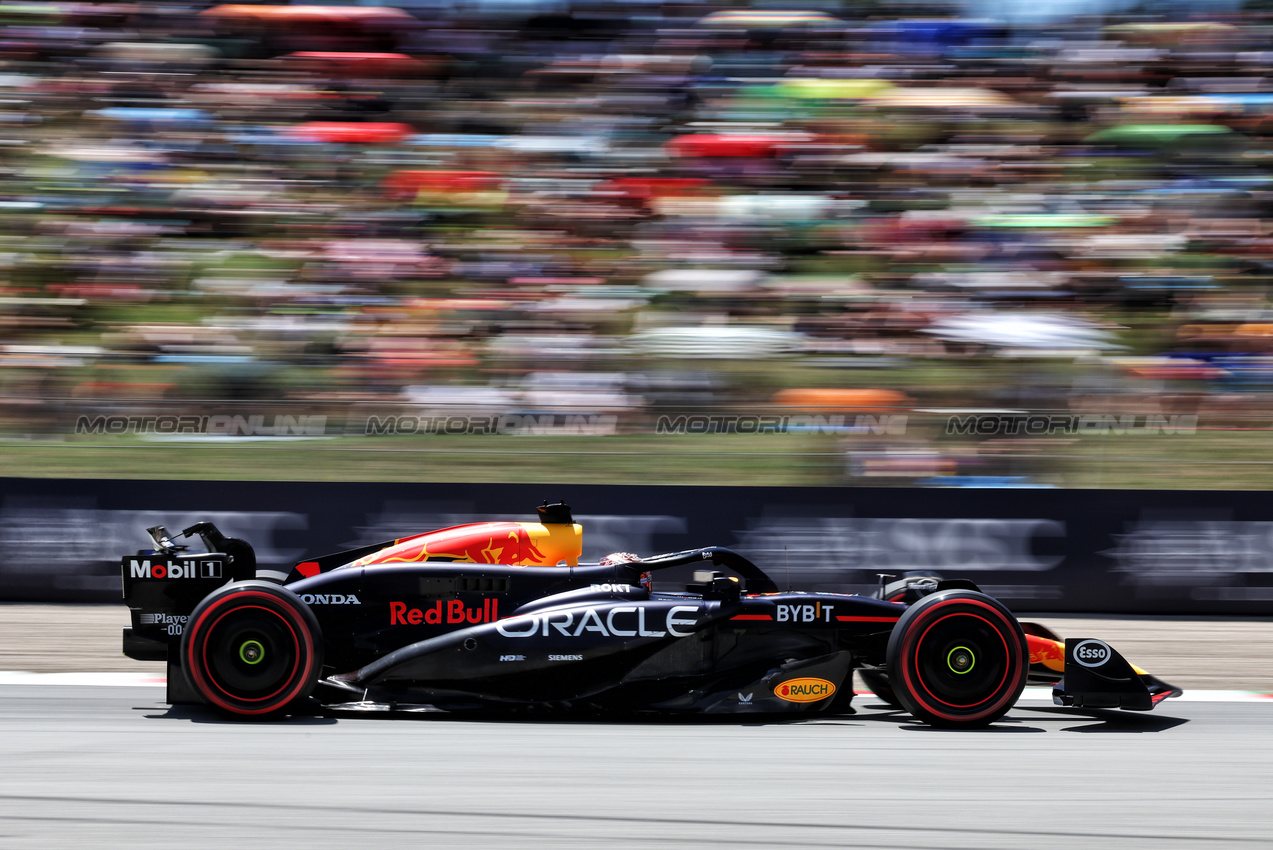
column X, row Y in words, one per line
column 630, row 209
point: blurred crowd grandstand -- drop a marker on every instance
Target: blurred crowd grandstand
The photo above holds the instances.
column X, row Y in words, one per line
column 633, row 213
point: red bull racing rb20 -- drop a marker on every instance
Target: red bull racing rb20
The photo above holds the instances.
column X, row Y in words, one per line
column 502, row 617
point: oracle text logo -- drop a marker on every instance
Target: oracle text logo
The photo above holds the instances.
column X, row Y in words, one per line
column 619, row 621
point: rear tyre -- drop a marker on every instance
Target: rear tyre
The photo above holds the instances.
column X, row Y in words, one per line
column 957, row 658
column 252, row 650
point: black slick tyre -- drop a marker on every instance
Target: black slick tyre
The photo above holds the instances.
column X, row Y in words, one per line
column 957, row 658
column 252, row 650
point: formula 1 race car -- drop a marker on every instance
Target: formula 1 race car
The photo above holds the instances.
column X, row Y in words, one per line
column 500, row 616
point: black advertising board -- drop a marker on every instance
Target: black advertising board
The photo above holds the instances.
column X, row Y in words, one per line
column 1082, row 551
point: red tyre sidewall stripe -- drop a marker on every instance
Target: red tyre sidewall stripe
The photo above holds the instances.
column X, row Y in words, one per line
column 906, row 665
column 1006, row 653
column 199, row 640
column 295, row 662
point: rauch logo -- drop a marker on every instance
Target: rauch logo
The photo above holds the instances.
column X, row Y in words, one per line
column 804, row 690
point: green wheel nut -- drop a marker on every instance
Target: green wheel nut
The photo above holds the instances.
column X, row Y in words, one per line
column 960, row 660
column 251, row 652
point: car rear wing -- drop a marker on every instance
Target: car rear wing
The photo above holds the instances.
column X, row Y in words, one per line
column 164, row 584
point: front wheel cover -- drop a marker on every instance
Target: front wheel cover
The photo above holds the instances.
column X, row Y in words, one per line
column 252, row 649
column 957, row 658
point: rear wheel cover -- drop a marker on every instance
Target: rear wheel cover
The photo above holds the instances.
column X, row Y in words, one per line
column 252, row 650
column 958, row 658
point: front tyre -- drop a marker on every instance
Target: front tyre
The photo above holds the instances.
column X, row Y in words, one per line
column 957, row 658
column 252, row 650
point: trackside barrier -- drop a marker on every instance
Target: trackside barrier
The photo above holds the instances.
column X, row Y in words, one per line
column 1090, row 551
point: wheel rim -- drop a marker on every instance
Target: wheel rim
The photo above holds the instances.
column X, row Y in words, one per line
column 962, row 660
column 251, row 653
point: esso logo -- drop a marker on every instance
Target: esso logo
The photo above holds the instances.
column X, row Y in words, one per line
column 1093, row 653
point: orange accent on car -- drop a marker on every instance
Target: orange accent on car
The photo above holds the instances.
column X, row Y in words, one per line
column 522, row 544
column 1049, row 653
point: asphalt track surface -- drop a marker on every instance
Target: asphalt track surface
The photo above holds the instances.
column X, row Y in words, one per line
column 115, row 767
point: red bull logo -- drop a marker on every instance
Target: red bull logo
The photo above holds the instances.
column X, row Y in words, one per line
column 453, row 612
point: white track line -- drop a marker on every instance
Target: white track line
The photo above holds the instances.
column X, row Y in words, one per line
column 132, row 680
column 1045, row 695
column 129, row 680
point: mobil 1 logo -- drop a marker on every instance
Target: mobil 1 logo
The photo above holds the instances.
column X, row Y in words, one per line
column 178, row 569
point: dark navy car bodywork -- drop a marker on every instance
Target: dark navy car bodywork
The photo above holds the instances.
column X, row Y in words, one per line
column 367, row 629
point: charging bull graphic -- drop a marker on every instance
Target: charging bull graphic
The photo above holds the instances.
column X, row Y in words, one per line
column 1047, row 652
column 523, row 544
